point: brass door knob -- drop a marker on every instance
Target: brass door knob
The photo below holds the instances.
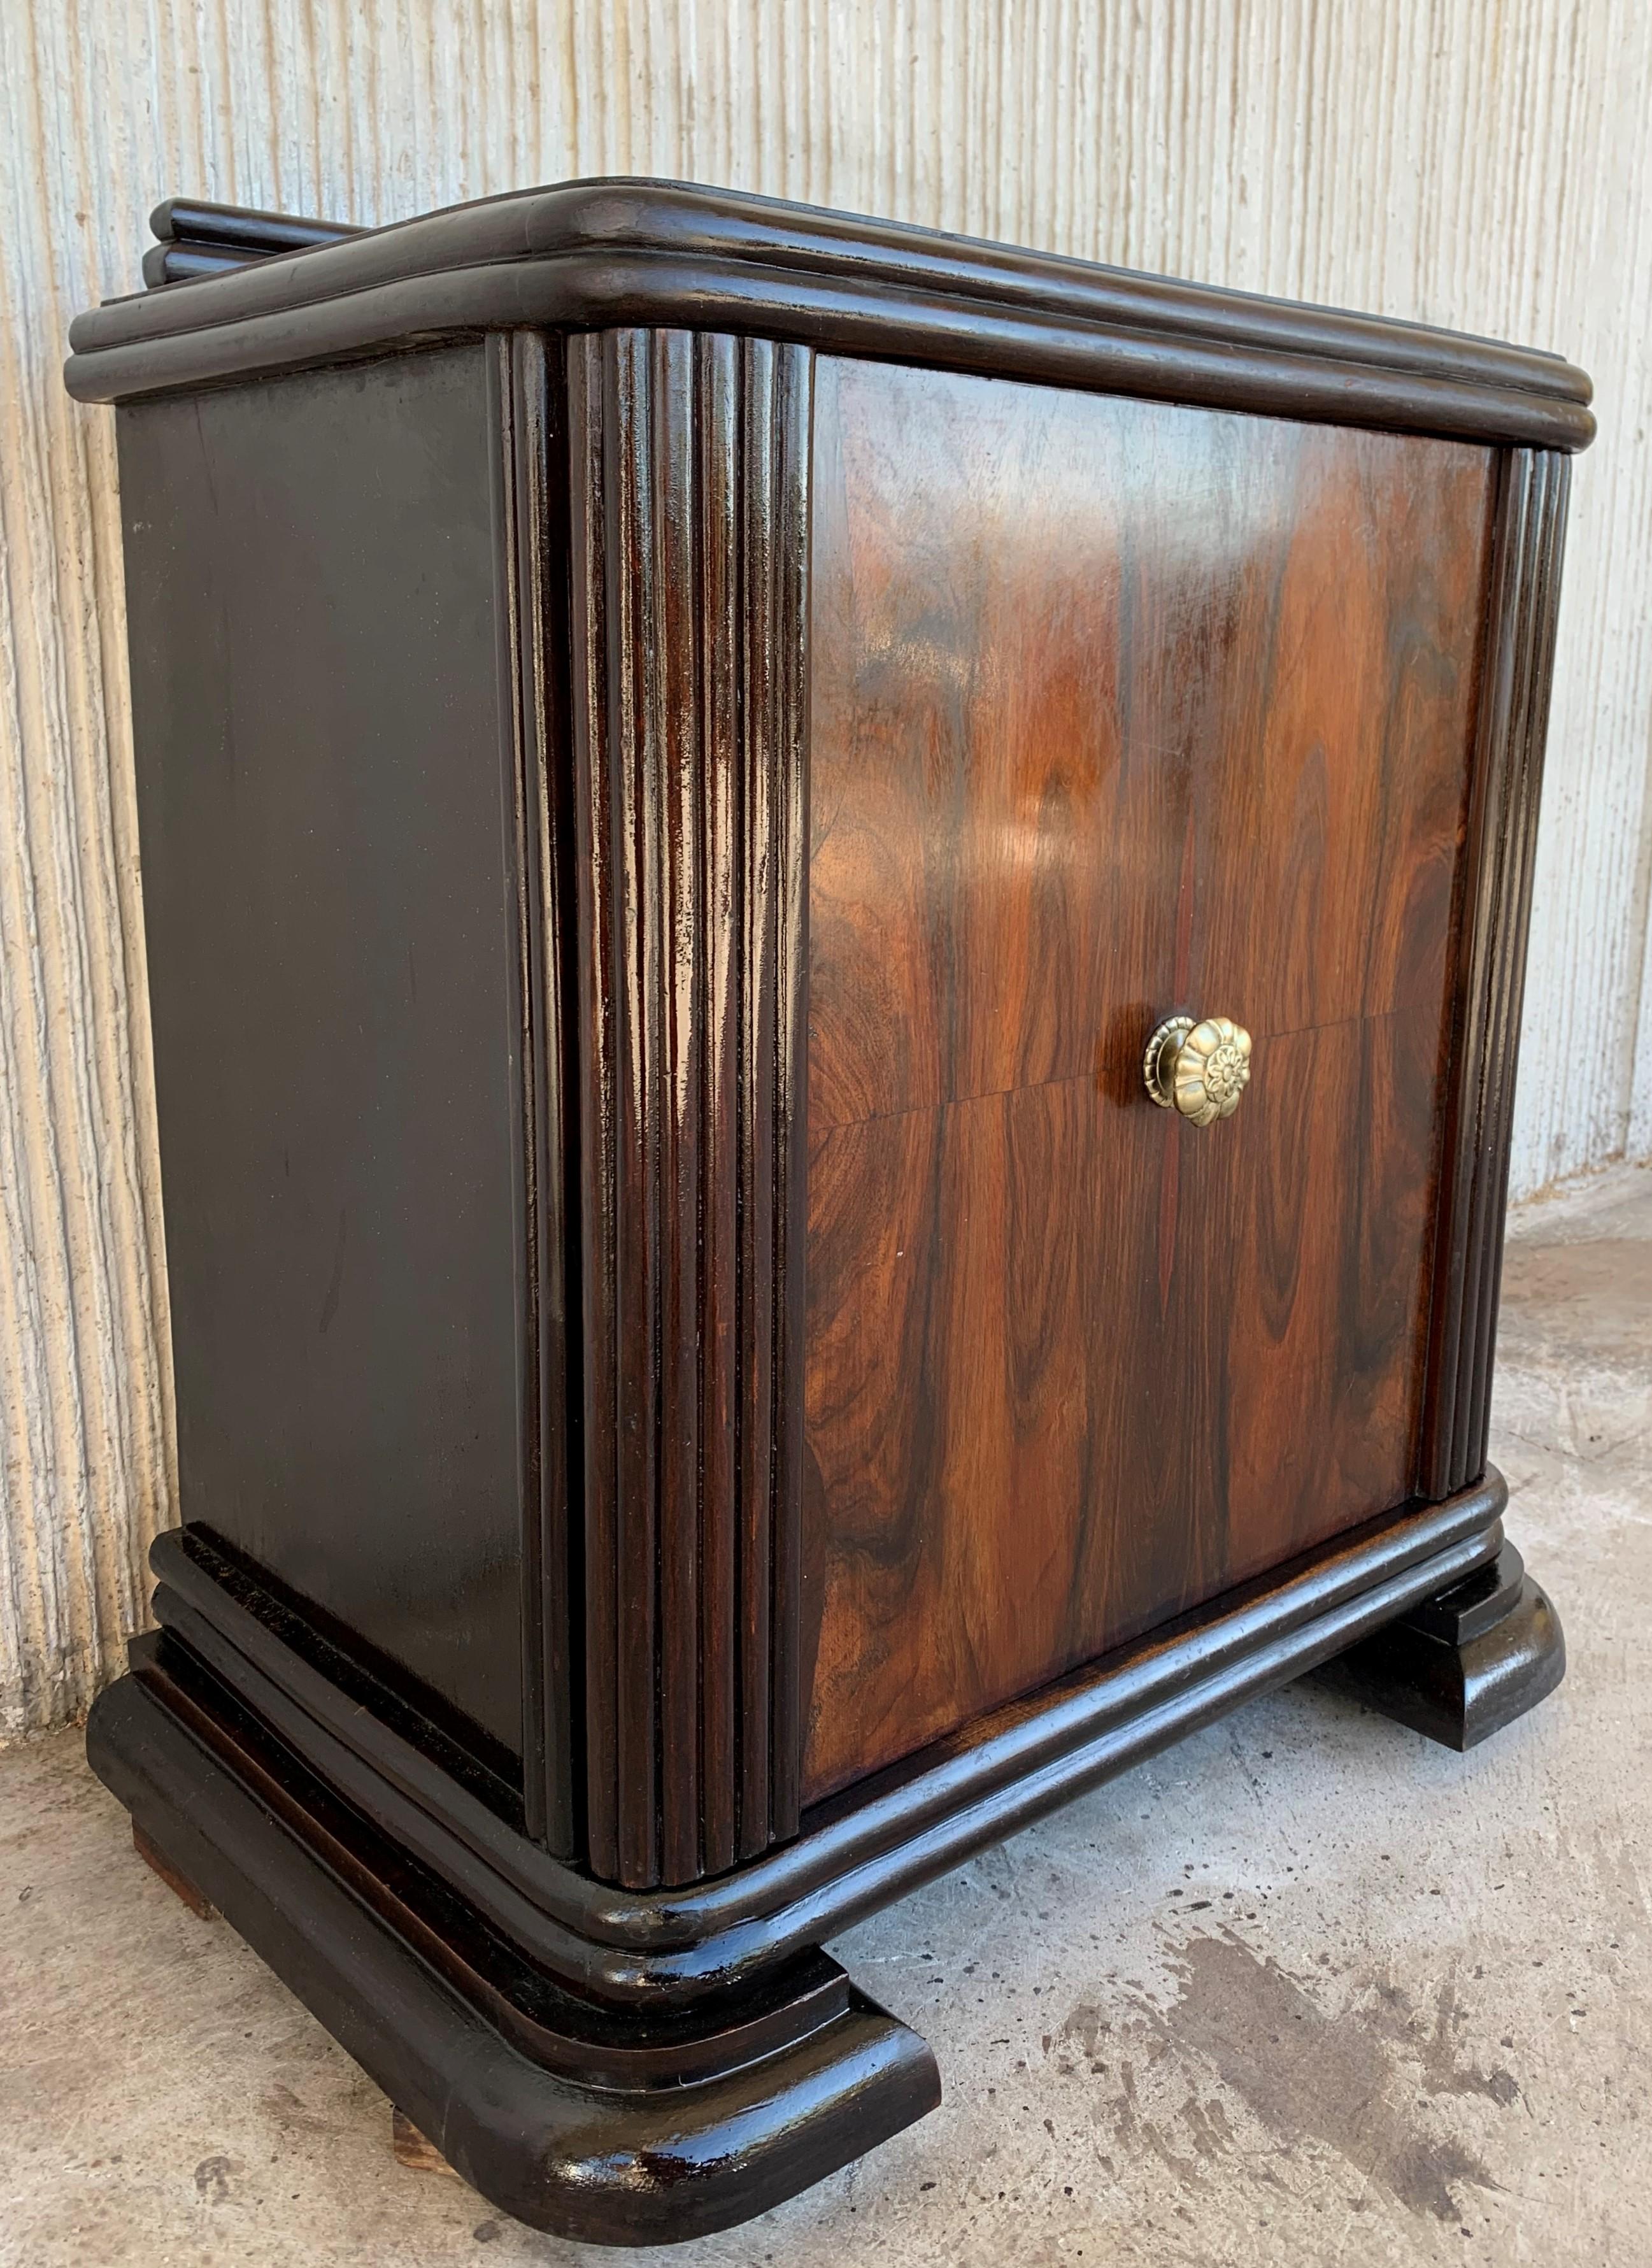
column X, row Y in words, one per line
column 1200, row 1069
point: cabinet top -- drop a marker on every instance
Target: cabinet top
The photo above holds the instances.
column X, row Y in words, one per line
column 584, row 255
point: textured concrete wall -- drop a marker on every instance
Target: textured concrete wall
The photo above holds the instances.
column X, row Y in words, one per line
column 1480, row 162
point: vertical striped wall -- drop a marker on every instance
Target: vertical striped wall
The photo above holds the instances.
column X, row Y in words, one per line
column 1479, row 163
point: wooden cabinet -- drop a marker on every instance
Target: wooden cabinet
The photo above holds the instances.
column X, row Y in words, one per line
column 685, row 747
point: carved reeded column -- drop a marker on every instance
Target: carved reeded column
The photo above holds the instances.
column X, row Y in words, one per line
column 688, row 470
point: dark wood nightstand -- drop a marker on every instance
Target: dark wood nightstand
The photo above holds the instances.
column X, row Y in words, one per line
column 835, row 923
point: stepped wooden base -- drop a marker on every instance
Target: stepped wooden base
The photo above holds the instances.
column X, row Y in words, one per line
column 628, row 2067
column 633, row 2133
column 1462, row 1665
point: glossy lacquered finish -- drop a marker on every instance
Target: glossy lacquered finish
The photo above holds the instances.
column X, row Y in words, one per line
column 594, row 2130
column 1461, row 1665
column 1490, row 974
column 642, row 2069
column 1118, row 707
column 597, row 256
column 684, row 747
column 195, row 239
column 646, row 1950
column 688, row 563
column 330, row 883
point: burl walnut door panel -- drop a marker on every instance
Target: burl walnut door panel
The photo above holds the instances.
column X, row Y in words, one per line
column 1118, row 709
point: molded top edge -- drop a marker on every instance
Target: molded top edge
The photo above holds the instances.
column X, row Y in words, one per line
column 581, row 254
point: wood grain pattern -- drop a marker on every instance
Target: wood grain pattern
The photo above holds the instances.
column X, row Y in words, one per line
column 1117, row 709
column 688, row 517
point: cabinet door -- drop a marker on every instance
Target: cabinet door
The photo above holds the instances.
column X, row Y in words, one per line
column 1118, row 709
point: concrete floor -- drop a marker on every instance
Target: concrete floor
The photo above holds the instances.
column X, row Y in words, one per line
column 1307, row 1989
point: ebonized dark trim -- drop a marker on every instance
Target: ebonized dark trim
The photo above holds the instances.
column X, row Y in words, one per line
column 316, row 580
column 369, row 1684
column 1460, row 1666
column 688, row 551
column 611, row 2134
column 1517, row 670
column 530, row 552
column 664, row 1947
column 604, row 254
column 195, row 239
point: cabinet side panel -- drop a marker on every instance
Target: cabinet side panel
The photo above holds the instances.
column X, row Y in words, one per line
column 325, row 802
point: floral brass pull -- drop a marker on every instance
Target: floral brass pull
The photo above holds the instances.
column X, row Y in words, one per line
column 1200, row 1069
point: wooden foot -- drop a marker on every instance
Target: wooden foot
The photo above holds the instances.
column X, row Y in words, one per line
column 1464, row 1663
column 612, row 2129
column 410, row 2147
column 180, row 1885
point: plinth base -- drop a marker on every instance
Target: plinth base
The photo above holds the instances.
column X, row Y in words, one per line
column 612, row 2131
column 1461, row 1665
